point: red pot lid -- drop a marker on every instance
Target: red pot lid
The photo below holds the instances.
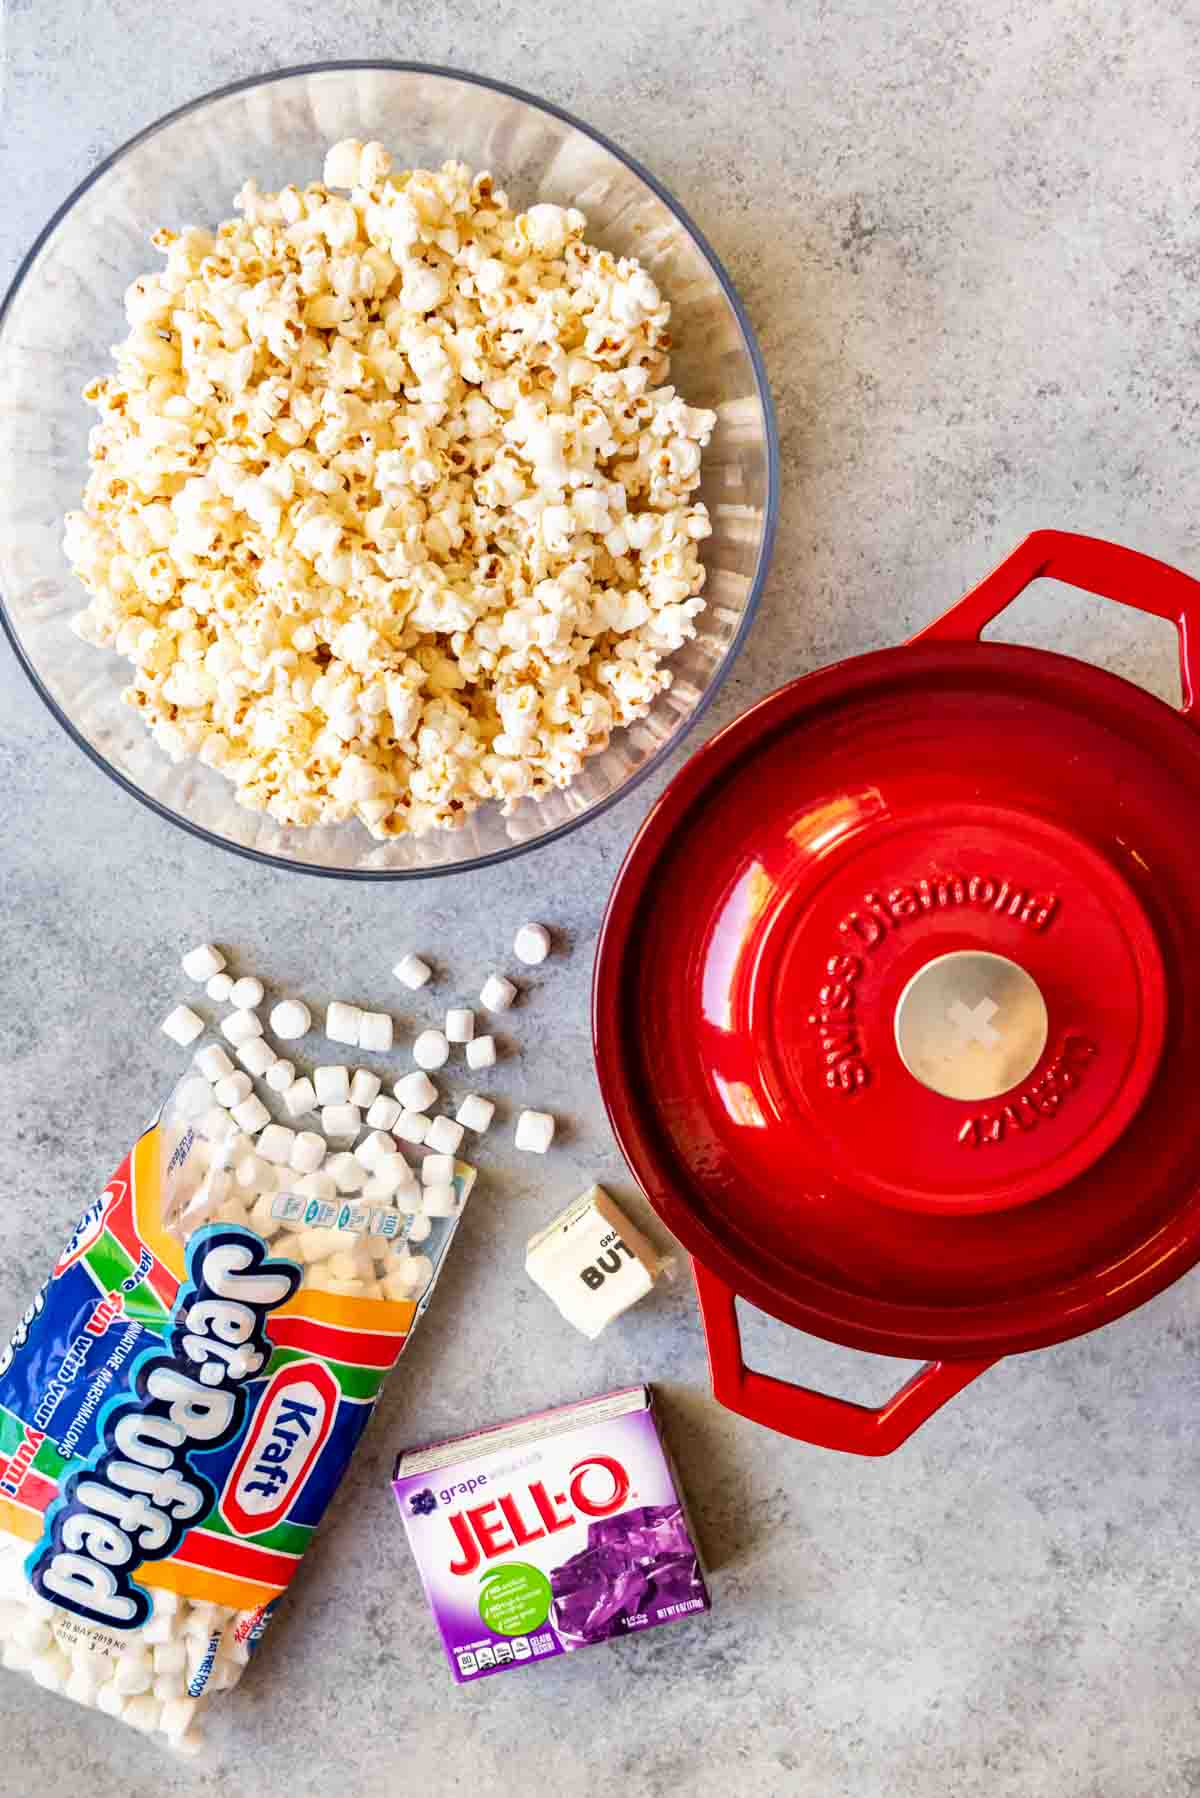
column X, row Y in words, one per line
column 896, row 1013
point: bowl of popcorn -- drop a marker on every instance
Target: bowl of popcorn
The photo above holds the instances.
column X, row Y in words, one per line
column 391, row 470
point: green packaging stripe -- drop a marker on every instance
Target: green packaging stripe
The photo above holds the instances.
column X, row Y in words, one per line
column 288, row 1538
column 48, row 1461
column 355, row 1382
column 110, row 1264
column 12, row 1432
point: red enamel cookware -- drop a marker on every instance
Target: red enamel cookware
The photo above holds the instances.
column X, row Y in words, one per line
column 896, row 1011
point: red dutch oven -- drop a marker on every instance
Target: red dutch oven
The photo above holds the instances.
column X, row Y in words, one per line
column 894, row 1011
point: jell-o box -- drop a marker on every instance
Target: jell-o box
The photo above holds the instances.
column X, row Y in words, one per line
column 548, row 1534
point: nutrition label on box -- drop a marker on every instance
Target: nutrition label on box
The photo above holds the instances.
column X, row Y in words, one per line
column 486, row 1655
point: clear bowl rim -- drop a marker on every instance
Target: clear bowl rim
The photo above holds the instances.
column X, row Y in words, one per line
column 762, row 385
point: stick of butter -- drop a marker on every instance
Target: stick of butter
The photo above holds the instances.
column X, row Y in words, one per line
column 592, row 1262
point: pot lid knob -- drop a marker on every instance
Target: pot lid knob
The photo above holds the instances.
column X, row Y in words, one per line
column 971, row 1025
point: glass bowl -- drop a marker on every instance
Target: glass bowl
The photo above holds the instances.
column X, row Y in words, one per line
column 64, row 310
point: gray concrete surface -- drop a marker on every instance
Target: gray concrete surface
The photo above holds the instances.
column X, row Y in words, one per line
column 968, row 239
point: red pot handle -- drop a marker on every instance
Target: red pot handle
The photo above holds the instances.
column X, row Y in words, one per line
column 1106, row 569
column 815, row 1416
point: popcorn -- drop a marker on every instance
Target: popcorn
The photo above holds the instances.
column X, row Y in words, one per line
column 389, row 506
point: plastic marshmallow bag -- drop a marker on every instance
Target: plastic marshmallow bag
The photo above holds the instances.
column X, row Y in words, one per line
column 177, row 1407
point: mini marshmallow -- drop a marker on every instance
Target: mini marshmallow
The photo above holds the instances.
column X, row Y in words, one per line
column 280, row 1075
column 202, row 962
column 275, row 1144
column 342, row 1023
column 170, row 1657
column 143, row 1712
column 532, row 944
column 440, row 1200
column 497, row 994
column 88, row 1673
column 219, row 988
column 51, row 1669
column 332, row 1085
column 291, row 1019
column 257, row 1056
column 194, row 1096
column 342, row 1121
column 251, row 1115
column 419, row 1228
column 262, row 1217
column 213, row 1062
column 443, row 1136
column 475, row 1113
column 375, row 1032
column 481, row 1052
column 431, row 1050
column 416, row 1092
column 134, row 1672
column 176, row 1719
column 251, row 1172
column 411, row 1126
column 406, row 1196
column 383, row 1113
column 391, row 1172
column 412, row 972
column 400, row 1284
column 347, row 1170
column 109, row 1700
column 534, row 1132
column 182, row 1025
column 437, row 1168
column 364, row 1088
column 308, row 1152
column 317, row 1186
column 419, row 1270
column 372, row 1148
column 216, row 1126
column 233, row 1089
column 460, row 1025
column 240, row 1026
column 301, row 1096
column 378, row 1191
column 247, row 993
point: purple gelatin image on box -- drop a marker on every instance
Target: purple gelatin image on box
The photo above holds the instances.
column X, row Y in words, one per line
column 635, row 1564
column 549, row 1534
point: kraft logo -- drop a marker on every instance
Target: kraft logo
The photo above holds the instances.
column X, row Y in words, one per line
column 289, row 1430
column 89, row 1227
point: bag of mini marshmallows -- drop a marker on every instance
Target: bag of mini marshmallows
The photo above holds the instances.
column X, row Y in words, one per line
column 178, row 1404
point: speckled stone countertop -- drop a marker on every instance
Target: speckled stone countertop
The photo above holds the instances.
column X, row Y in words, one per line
column 967, row 238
